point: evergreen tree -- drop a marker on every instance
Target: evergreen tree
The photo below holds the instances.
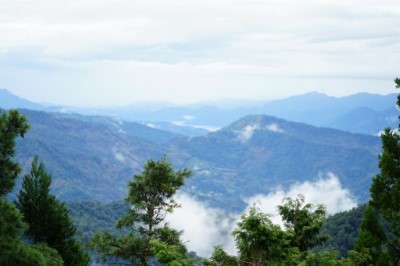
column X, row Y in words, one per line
column 151, row 198
column 372, row 238
column 304, row 222
column 260, row 242
column 385, row 188
column 12, row 125
column 13, row 251
column 47, row 217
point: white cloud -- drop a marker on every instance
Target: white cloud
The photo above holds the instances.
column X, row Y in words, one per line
column 205, row 227
column 247, row 132
column 274, row 128
column 328, row 192
column 151, row 125
column 189, row 117
column 76, row 52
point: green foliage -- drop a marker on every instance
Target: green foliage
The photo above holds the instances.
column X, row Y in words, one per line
column 220, row 257
column 47, row 217
column 27, row 255
column 151, row 198
column 12, row 125
column 343, row 230
column 385, row 188
column 12, row 250
column 326, row 258
column 168, row 254
column 304, row 222
column 372, row 237
column 259, row 241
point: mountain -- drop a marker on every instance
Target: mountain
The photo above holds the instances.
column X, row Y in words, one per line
column 258, row 153
column 359, row 113
column 92, row 158
column 9, row 100
column 89, row 159
column 341, row 113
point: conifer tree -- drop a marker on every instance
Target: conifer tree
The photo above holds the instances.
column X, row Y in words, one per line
column 372, row 238
column 13, row 251
column 47, row 217
column 385, row 188
column 151, row 197
column 12, row 125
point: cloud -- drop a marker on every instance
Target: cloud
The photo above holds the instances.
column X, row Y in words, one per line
column 155, row 50
column 274, row 128
column 328, row 192
column 189, row 117
column 204, row 227
column 247, row 132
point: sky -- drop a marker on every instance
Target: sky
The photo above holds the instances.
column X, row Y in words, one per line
column 107, row 53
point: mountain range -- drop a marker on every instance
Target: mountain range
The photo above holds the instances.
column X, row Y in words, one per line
column 93, row 157
column 360, row 113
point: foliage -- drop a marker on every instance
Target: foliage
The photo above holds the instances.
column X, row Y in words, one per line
column 47, row 217
column 13, row 251
column 343, row 230
column 220, row 257
column 385, row 188
column 12, row 125
column 372, row 237
column 304, row 222
column 328, row 258
column 151, row 198
column 258, row 240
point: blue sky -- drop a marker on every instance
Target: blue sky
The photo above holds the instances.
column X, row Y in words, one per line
column 108, row 53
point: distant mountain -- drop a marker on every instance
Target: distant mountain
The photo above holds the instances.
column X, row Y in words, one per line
column 9, row 100
column 345, row 113
column 257, row 154
column 92, row 158
column 342, row 113
column 312, row 108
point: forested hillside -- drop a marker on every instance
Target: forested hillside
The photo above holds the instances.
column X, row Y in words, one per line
column 92, row 158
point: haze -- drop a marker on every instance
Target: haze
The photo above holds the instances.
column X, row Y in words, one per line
column 108, row 53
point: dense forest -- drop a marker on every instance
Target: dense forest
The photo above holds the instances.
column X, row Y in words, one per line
column 36, row 228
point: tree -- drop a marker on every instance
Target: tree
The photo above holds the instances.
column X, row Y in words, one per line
column 12, row 125
column 220, row 258
column 151, row 198
column 47, row 217
column 372, row 238
column 13, row 251
column 258, row 241
column 304, row 221
column 385, row 188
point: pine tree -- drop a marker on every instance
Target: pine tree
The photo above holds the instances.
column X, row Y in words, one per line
column 151, row 198
column 372, row 238
column 12, row 125
column 13, row 251
column 47, row 217
column 385, row 188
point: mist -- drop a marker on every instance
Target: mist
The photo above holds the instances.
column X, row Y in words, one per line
column 204, row 227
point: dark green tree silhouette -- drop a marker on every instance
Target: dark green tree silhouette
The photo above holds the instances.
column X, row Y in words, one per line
column 372, row 238
column 47, row 217
column 385, row 188
column 13, row 251
column 12, row 125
